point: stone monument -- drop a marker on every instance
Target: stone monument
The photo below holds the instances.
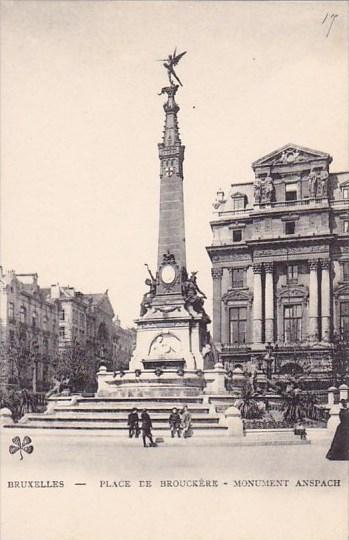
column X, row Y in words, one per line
column 172, row 339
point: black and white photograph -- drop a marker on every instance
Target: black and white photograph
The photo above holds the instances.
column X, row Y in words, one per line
column 174, row 279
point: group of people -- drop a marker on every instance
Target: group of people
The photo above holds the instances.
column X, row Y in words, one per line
column 179, row 423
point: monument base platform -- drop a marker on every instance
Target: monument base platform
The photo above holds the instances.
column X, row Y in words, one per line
column 158, row 383
column 163, row 363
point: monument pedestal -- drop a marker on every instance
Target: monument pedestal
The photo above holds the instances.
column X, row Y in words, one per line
column 169, row 337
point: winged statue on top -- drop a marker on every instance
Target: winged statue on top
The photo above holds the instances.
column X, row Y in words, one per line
column 169, row 63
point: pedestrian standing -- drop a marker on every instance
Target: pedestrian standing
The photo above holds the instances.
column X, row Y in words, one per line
column 133, row 423
column 146, row 428
column 339, row 450
column 175, row 423
column 186, row 423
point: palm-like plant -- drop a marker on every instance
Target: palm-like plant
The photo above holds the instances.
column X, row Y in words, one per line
column 248, row 406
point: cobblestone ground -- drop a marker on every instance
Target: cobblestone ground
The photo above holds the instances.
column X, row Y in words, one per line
column 215, row 507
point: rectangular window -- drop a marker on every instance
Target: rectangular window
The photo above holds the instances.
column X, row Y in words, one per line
column 238, row 322
column 11, row 311
column 237, row 235
column 346, row 271
column 345, row 192
column 344, row 319
column 291, row 191
column 34, row 319
column 292, row 272
column 290, row 227
column 238, row 203
column 292, row 323
column 237, row 277
column 345, row 226
column 61, row 315
column 23, row 314
column 45, row 373
column 62, row 332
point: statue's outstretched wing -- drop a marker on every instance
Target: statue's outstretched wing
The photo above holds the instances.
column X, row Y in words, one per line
column 176, row 58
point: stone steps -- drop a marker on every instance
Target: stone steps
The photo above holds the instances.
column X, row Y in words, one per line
column 138, row 401
column 158, row 419
column 155, row 417
column 104, row 413
column 125, row 409
column 203, row 428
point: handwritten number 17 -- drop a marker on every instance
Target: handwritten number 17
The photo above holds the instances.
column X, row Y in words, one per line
column 331, row 21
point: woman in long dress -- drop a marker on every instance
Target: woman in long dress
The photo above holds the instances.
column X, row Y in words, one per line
column 187, row 430
column 340, row 445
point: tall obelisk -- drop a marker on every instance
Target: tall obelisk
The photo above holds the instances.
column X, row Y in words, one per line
column 171, row 330
column 171, row 154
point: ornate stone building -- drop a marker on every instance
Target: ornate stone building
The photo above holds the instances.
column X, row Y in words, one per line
column 28, row 332
column 280, row 264
column 88, row 319
column 37, row 323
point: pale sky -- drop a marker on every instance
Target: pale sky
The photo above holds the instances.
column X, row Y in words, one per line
column 81, row 119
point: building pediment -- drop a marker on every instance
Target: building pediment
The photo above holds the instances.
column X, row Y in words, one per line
column 289, row 154
column 342, row 290
column 237, row 295
column 292, row 293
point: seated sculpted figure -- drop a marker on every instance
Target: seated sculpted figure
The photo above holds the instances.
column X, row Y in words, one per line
column 193, row 302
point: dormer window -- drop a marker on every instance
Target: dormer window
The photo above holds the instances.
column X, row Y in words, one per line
column 238, row 200
column 238, row 203
column 291, row 191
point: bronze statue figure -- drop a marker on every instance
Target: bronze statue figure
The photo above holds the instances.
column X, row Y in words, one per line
column 169, row 63
column 148, row 296
column 193, row 302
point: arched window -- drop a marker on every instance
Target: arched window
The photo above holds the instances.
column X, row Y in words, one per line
column 102, row 332
column 34, row 319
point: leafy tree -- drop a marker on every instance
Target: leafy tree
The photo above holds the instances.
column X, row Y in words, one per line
column 78, row 365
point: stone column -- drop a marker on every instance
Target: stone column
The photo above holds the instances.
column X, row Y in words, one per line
column 269, row 302
column 325, row 300
column 217, row 303
column 313, row 302
column 226, row 285
column 257, row 303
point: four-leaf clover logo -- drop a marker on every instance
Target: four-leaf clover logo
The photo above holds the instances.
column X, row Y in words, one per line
column 19, row 445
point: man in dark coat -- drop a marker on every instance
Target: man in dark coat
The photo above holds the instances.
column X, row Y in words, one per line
column 175, row 422
column 146, row 428
column 133, row 427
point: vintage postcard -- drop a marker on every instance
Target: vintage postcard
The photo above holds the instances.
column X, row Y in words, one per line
column 174, row 280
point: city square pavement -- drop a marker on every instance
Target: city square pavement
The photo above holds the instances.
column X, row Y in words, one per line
column 191, row 490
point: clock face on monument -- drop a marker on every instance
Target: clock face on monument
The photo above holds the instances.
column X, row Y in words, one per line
column 168, row 274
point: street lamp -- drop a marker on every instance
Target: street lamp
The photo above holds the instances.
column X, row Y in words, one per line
column 35, row 356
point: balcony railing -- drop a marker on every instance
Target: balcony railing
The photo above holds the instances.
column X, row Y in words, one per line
column 232, row 347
